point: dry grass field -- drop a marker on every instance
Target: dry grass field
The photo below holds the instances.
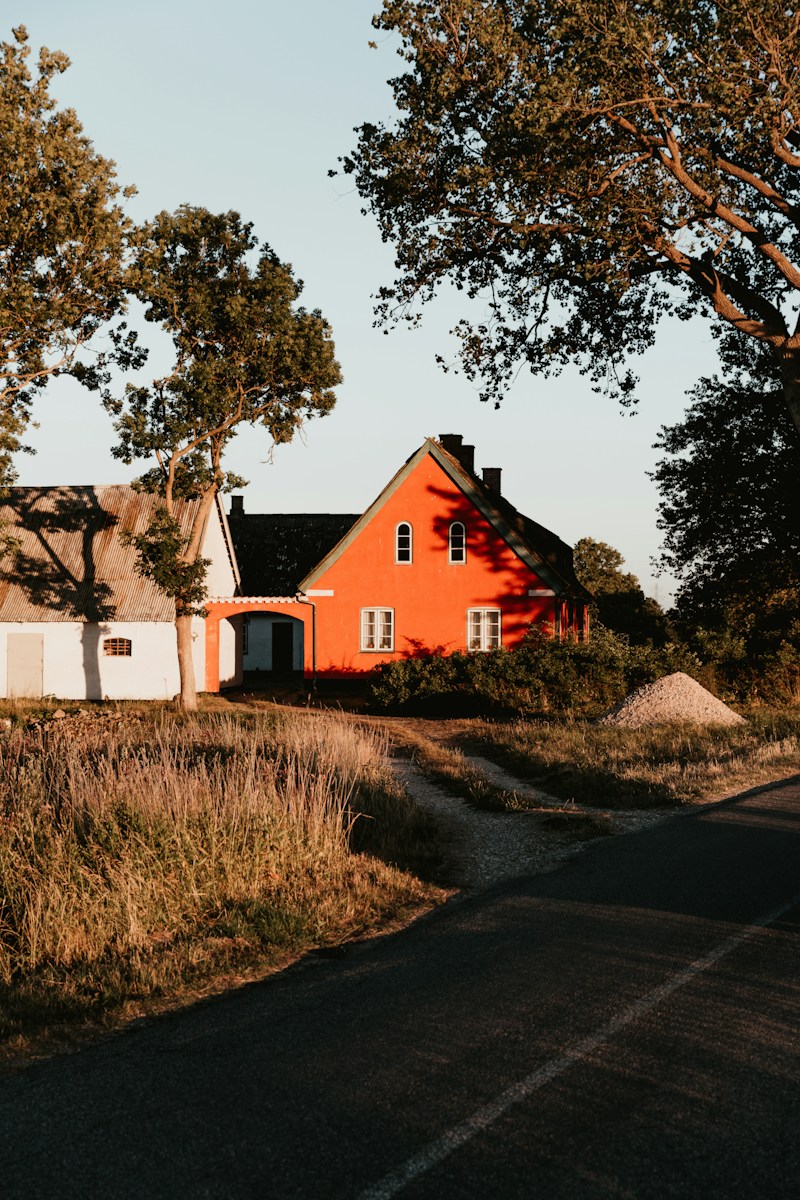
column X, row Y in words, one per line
column 152, row 856
column 607, row 767
column 147, row 858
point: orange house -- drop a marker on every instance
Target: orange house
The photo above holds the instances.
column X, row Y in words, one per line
column 441, row 561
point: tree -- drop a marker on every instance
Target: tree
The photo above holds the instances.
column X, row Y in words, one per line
column 728, row 508
column 599, row 568
column 589, row 165
column 619, row 602
column 62, row 240
column 244, row 355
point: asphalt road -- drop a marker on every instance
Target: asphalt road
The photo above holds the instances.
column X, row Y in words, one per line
column 626, row 1026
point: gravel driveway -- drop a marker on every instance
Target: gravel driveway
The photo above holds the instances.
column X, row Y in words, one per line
column 482, row 848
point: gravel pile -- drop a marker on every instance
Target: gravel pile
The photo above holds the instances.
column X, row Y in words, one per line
column 676, row 697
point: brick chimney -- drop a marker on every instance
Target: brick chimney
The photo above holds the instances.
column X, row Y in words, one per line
column 237, row 506
column 467, row 458
column 491, row 478
column 451, row 442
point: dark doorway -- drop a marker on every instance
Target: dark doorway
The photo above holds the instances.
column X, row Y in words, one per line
column 282, row 647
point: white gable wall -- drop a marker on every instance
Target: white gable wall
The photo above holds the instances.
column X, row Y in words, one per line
column 75, row 668
column 220, row 577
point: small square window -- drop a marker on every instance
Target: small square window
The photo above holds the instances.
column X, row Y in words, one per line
column 117, row 647
column 377, row 629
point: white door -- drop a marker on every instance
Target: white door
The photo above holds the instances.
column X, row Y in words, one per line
column 25, row 664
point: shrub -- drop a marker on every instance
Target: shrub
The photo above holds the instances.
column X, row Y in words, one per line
column 740, row 668
column 542, row 676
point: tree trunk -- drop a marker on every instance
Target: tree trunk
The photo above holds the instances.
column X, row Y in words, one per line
column 183, row 630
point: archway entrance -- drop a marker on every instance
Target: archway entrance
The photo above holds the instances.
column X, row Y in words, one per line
column 275, row 637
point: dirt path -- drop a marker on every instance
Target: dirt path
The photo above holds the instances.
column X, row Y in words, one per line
column 482, row 848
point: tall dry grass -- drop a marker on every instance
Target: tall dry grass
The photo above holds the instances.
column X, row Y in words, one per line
column 638, row 768
column 138, row 859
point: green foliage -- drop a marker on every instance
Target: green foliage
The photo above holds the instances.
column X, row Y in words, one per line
column 244, row 354
column 543, row 676
column 619, row 602
column 589, row 166
column 737, row 667
column 62, row 240
column 599, row 568
column 728, row 509
column 731, row 525
column 160, row 552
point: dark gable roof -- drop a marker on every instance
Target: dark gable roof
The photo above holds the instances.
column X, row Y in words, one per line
column 71, row 564
column 541, row 542
column 275, row 550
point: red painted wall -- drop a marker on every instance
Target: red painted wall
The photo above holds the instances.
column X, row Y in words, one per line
column 430, row 596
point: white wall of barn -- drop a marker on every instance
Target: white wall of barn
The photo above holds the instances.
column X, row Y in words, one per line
column 231, row 632
column 74, row 666
column 220, row 578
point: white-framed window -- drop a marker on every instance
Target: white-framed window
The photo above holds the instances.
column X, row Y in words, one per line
column 484, row 630
column 117, row 647
column 403, row 543
column 457, row 543
column 377, row 629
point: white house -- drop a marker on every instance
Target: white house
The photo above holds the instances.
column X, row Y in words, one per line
column 76, row 620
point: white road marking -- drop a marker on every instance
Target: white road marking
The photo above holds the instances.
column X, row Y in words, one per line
column 486, row 1116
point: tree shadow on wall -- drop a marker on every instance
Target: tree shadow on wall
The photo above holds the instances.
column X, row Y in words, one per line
column 56, row 566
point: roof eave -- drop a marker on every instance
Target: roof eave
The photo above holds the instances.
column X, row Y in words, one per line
column 496, row 519
column 226, row 534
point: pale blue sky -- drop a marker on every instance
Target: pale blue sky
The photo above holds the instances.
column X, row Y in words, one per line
column 246, row 106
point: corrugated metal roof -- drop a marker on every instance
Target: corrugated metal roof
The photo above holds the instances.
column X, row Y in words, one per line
column 276, row 550
column 71, row 564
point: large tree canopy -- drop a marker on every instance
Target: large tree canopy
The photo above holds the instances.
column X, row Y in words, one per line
column 62, row 238
column 589, row 165
column 244, row 354
column 729, row 510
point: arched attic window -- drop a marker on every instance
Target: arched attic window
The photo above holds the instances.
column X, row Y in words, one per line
column 457, row 543
column 404, row 543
